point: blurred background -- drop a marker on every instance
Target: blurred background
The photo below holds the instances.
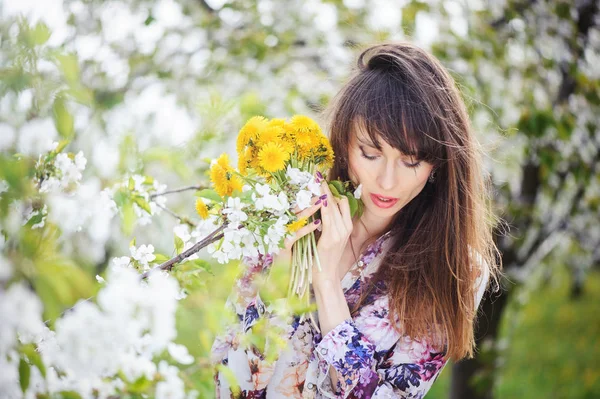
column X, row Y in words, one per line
column 156, row 89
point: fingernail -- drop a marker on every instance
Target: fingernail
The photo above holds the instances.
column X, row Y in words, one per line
column 319, row 175
column 325, row 202
column 318, row 202
column 317, row 221
column 324, row 196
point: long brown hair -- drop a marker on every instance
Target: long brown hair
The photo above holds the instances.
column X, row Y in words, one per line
column 442, row 239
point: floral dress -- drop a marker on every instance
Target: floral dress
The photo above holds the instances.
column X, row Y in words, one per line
column 373, row 359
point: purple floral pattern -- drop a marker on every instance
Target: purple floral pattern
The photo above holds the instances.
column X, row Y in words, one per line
column 370, row 358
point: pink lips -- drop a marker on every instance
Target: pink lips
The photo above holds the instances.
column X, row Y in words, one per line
column 382, row 204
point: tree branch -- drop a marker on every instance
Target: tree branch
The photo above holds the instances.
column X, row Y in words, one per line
column 168, row 265
column 177, row 190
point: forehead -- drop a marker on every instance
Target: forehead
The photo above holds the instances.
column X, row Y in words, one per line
column 360, row 134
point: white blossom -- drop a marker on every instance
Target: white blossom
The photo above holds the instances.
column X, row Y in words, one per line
column 171, row 387
column 303, row 199
column 123, row 261
column 21, row 315
column 182, row 231
column 263, row 189
column 234, row 210
column 180, row 354
column 143, row 254
column 358, row 191
column 298, row 177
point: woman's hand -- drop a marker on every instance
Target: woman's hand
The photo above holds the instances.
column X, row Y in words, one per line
column 337, row 227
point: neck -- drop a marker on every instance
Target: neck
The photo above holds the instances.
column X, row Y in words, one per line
column 369, row 226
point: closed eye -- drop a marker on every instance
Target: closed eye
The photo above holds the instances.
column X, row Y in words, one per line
column 373, row 157
column 369, row 157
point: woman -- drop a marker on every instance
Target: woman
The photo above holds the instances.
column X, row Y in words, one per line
column 400, row 286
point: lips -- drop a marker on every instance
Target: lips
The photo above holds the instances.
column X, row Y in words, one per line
column 383, row 204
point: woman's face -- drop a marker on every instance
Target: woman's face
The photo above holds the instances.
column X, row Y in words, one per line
column 387, row 173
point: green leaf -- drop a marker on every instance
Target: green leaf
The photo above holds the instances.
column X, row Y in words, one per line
column 140, row 386
column 338, row 185
column 353, row 202
column 34, row 357
column 160, row 258
column 142, row 203
column 69, row 65
column 63, row 120
column 24, row 374
column 209, row 194
column 128, row 218
column 179, row 244
column 202, row 264
column 69, row 395
column 40, row 34
column 132, row 242
column 334, row 190
column 121, row 197
column 61, row 146
column 230, row 377
column 131, row 184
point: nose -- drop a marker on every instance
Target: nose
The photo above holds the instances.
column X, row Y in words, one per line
column 386, row 178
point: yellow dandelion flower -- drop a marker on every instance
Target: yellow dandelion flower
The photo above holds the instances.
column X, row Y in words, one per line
column 272, row 157
column 250, row 131
column 223, row 161
column 288, row 145
column 289, row 132
column 297, row 225
column 303, row 123
column 218, row 177
column 325, row 153
column 201, row 208
column 235, row 183
column 244, row 160
column 277, row 122
column 222, row 175
column 271, row 134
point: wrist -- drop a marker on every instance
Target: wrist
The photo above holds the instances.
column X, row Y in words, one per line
column 326, row 284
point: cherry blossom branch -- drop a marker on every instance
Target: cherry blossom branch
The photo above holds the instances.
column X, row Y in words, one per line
column 182, row 219
column 168, row 265
column 177, row 190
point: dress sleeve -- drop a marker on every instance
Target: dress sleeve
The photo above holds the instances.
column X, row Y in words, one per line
column 246, row 364
column 362, row 373
column 244, row 299
column 407, row 370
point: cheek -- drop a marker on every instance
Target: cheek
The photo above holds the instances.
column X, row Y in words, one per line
column 360, row 170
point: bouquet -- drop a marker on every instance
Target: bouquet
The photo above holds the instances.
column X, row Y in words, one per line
column 280, row 166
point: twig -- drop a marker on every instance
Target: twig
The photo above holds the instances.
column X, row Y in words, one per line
column 182, row 219
column 168, row 265
column 176, row 190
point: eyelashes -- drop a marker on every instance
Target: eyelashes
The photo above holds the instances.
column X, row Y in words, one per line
column 372, row 158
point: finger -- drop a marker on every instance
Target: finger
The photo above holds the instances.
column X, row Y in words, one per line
column 301, row 232
column 310, row 211
column 314, row 200
column 345, row 210
column 328, row 204
column 335, row 213
column 308, row 228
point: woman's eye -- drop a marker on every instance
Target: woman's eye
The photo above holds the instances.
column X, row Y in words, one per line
column 370, row 158
column 412, row 165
